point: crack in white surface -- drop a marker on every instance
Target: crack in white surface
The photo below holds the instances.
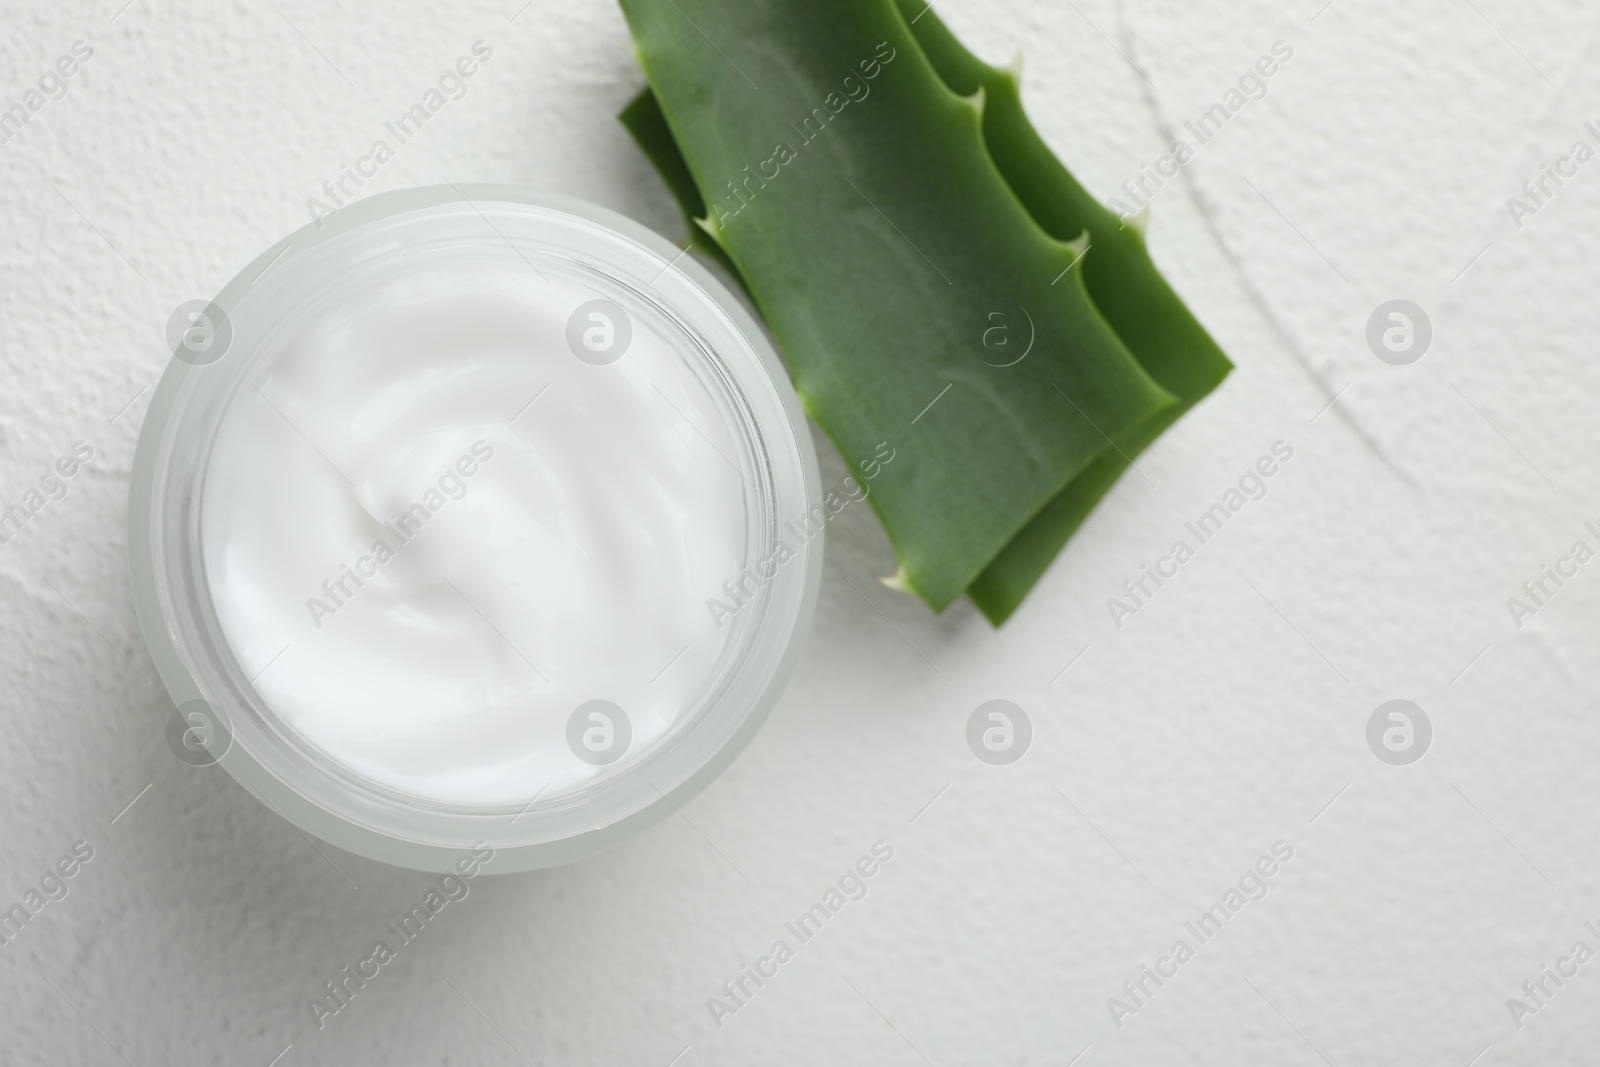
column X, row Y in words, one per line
column 1209, row 210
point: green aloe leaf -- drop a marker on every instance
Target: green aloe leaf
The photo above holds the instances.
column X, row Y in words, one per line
column 1127, row 289
column 1168, row 342
column 1166, row 339
column 853, row 192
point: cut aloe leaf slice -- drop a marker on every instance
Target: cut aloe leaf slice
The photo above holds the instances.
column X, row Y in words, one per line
column 1126, row 288
column 852, row 190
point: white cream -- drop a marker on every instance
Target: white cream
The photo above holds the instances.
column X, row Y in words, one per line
column 577, row 519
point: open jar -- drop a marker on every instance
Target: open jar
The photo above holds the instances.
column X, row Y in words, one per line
column 468, row 515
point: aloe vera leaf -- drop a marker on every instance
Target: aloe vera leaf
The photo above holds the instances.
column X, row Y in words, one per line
column 1166, row 339
column 876, row 243
column 1122, row 280
column 1001, row 587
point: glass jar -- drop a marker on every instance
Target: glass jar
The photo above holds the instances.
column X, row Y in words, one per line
column 602, row 259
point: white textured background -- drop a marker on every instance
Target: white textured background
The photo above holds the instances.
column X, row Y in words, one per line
column 1171, row 755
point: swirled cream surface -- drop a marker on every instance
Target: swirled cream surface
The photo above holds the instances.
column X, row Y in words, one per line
column 449, row 551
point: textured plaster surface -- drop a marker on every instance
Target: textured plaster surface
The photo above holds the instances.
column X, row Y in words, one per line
column 1168, row 754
